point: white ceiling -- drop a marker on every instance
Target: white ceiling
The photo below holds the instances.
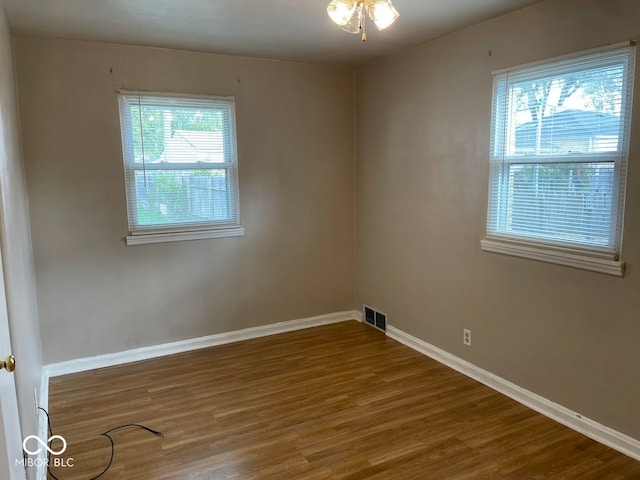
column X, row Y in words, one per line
column 297, row 30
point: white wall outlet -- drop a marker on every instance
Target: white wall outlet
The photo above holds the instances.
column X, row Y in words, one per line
column 466, row 337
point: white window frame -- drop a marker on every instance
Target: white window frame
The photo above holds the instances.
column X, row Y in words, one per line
column 139, row 234
column 498, row 240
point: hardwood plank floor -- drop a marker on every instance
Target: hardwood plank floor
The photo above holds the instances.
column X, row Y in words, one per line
column 334, row 402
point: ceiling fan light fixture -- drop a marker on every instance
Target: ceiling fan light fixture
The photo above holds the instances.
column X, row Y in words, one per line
column 350, row 15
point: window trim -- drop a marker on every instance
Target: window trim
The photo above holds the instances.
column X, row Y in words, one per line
column 597, row 259
column 570, row 257
column 167, row 237
column 148, row 234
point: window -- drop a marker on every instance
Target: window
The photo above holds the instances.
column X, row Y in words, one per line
column 559, row 147
column 181, row 167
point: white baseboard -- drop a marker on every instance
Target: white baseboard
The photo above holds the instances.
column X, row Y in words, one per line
column 592, row 429
column 605, row 435
column 154, row 351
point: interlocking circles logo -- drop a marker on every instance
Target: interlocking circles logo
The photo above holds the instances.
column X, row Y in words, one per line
column 55, row 445
column 46, row 444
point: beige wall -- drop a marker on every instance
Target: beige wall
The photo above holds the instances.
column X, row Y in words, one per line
column 17, row 256
column 295, row 145
column 422, row 173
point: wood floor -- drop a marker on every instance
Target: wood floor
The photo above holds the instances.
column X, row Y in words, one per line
column 335, row 402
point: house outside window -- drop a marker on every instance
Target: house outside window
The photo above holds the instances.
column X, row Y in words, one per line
column 180, row 161
column 559, row 150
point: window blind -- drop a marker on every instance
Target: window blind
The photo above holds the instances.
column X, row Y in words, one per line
column 180, row 162
column 560, row 141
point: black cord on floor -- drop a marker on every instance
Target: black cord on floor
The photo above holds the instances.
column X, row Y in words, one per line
column 105, row 434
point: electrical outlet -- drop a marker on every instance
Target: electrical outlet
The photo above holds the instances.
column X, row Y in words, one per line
column 466, row 337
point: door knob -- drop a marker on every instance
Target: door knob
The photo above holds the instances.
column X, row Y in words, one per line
column 9, row 363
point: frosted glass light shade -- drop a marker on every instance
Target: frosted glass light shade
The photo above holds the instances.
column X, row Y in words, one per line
column 356, row 22
column 382, row 13
column 341, row 11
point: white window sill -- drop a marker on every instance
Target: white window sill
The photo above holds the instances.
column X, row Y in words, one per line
column 165, row 237
column 595, row 262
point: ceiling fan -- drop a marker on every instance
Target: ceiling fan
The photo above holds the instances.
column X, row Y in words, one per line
column 350, row 15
